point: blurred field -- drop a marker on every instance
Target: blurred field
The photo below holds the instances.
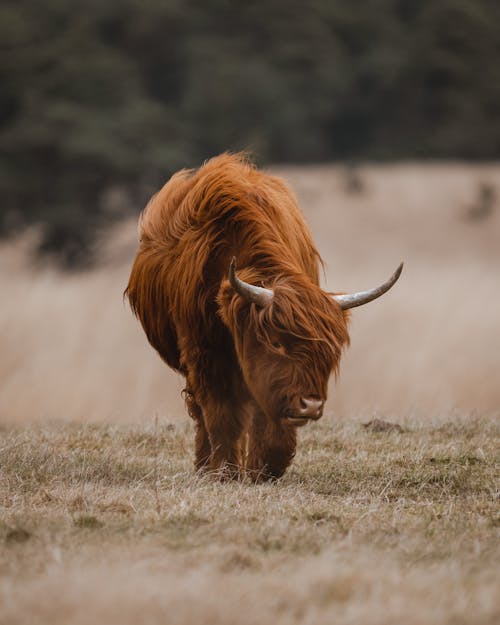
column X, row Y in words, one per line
column 70, row 348
column 102, row 519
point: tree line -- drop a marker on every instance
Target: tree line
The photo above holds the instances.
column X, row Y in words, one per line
column 101, row 101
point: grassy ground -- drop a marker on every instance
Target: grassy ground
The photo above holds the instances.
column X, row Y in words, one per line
column 109, row 524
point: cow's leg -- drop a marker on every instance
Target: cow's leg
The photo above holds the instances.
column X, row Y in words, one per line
column 202, row 448
column 216, row 387
column 225, row 426
column 271, row 448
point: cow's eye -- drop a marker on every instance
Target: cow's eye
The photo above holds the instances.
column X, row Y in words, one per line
column 278, row 346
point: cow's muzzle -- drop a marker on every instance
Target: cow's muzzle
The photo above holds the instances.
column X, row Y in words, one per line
column 307, row 409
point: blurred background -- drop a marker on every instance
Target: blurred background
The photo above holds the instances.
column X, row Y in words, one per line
column 383, row 116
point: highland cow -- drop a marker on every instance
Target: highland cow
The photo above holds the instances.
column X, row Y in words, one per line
column 225, row 284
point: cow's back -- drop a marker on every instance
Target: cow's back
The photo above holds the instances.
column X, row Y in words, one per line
column 188, row 233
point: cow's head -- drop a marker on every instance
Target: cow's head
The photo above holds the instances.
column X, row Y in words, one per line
column 289, row 339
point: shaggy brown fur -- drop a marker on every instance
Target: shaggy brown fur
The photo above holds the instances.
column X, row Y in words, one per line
column 246, row 367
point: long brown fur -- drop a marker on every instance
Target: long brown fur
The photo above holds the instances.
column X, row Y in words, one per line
column 244, row 365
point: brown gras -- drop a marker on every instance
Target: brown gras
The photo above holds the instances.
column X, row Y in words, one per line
column 109, row 524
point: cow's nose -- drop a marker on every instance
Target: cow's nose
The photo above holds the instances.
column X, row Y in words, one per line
column 310, row 407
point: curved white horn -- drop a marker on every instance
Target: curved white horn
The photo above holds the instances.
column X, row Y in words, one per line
column 256, row 294
column 351, row 300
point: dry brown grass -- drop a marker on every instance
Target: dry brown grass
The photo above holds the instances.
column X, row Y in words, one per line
column 366, row 527
column 102, row 521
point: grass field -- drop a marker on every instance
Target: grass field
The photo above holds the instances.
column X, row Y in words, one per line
column 108, row 524
column 102, row 519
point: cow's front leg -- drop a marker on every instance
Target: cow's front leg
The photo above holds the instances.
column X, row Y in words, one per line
column 271, row 448
column 224, row 426
column 202, row 448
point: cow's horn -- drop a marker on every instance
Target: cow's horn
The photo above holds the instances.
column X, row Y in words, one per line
column 256, row 294
column 352, row 300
